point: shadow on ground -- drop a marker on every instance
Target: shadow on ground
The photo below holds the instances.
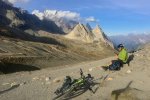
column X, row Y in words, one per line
column 6, row 68
column 126, row 93
column 131, row 57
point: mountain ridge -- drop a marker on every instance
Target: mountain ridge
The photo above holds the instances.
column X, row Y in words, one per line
column 21, row 19
column 132, row 41
column 87, row 34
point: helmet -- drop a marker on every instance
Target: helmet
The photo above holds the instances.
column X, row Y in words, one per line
column 120, row 46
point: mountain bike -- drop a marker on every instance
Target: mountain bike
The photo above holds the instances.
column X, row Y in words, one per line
column 69, row 86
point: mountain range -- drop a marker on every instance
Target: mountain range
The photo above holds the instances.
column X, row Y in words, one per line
column 21, row 19
column 66, row 24
column 131, row 41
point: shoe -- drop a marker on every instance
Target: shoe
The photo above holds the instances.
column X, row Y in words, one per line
column 105, row 68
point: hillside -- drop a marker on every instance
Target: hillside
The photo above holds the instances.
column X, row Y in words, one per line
column 21, row 19
column 42, row 52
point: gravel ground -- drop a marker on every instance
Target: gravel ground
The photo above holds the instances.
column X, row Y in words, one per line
column 41, row 84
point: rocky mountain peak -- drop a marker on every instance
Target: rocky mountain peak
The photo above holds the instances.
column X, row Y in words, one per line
column 81, row 32
column 99, row 34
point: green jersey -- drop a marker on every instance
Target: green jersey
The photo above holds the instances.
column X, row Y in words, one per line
column 123, row 55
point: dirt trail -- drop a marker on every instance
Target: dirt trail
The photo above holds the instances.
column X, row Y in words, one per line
column 41, row 84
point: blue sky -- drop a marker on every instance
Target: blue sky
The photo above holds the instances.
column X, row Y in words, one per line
column 114, row 16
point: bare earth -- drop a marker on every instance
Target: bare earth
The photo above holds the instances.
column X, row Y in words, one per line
column 130, row 83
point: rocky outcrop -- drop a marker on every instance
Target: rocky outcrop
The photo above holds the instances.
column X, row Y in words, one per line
column 81, row 33
column 101, row 36
column 15, row 21
column 85, row 33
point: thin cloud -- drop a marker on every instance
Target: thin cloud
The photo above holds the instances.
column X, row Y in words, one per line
column 135, row 6
column 81, row 8
column 91, row 19
column 15, row 1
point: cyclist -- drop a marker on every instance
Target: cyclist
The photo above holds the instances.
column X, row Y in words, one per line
column 122, row 58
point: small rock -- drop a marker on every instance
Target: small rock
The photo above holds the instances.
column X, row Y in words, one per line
column 35, row 78
column 56, row 80
column 129, row 71
column 6, row 41
column 90, row 69
column 136, row 54
column 141, row 82
column 109, row 79
column 20, row 53
column 47, row 78
column 100, row 68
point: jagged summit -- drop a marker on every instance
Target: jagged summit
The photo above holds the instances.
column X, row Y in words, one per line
column 81, row 32
column 85, row 33
column 99, row 34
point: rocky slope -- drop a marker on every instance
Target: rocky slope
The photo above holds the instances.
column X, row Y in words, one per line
column 49, row 51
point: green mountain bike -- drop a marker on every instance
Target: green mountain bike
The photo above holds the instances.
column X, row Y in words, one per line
column 69, row 86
